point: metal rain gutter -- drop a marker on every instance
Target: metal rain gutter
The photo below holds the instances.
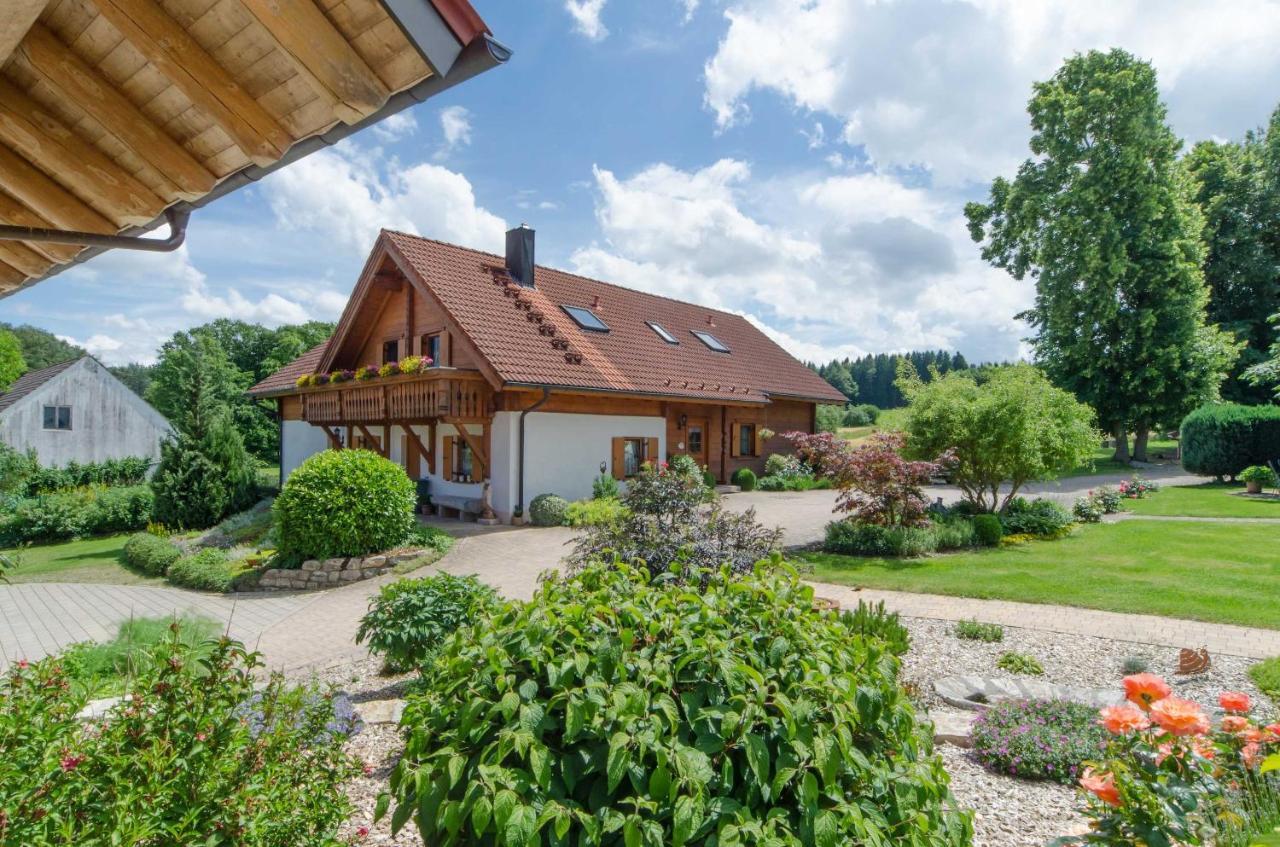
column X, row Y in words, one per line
column 546, row 395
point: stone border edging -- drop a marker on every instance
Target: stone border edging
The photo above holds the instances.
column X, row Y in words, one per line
column 315, row 574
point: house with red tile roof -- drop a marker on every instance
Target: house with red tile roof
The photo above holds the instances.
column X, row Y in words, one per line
column 470, row 368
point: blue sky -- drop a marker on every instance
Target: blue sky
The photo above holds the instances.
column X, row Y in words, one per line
column 803, row 162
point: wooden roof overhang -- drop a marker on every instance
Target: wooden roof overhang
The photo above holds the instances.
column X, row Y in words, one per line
column 119, row 115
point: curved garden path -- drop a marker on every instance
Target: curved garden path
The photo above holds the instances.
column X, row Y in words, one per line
column 300, row 631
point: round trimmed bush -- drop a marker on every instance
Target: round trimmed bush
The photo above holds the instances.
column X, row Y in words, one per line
column 1223, row 439
column 744, row 478
column 1039, row 517
column 988, row 530
column 151, row 554
column 1038, row 739
column 204, row 570
column 738, row 714
column 343, row 503
column 548, row 510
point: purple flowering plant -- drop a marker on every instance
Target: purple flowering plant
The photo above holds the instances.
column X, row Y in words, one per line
column 1038, row 739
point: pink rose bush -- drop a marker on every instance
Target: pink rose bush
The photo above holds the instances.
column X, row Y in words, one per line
column 1167, row 768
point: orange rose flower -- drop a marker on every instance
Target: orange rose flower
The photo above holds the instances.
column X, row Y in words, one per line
column 1205, row 748
column 1102, row 786
column 1274, row 729
column 1235, row 701
column 1145, row 689
column 1179, row 717
column 1235, row 723
column 1250, row 753
column 1121, row 719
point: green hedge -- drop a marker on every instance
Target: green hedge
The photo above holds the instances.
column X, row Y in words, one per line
column 151, row 554
column 613, row 710
column 344, row 503
column 1224, row 439
column 76, row 513
column 206, row 570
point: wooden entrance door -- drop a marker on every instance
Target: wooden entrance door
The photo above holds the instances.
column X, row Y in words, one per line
column 696, row 437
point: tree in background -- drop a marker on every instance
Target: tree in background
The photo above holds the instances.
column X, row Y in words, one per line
column 870, row 378
column 12, row 365
column 1237, row 187
column 205, row 472
column 1101, row 217
column 135, row 375
column 1266, row 374
column 1014, row 429
column 41, row 348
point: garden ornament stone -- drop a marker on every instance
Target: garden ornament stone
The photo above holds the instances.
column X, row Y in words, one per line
column 1193, row 661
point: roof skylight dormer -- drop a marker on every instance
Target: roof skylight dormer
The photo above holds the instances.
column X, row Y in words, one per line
column 710, row 340
column 586, row 318
column 662, row 332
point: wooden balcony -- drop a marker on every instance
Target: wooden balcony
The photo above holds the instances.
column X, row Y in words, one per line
column 447, row 394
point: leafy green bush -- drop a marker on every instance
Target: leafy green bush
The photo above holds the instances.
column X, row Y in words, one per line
column 708, row 479
column 105, row 668
column 604, row 487
column 974, row 630
column 594, row 512
column 877, row 622
column 548, row 510
column 1039, row 517
column 1038, row 739
column 204, row 570
column 410, row 618
column 343, row 503
column 1266, row 675
column 197, row 755
column 150, row 554
column 778, row 464
column 862, row 415
column 865, row 539
column 744, row 478
column 1087, row 510
column 793, row 483
column 1223, row 439
column 953, row 533
column 1019, row 663
column 1260, row 474
column 829, row 418
column 614, row 710
column 76, row 513
column 988, row 530
column 429, row 538
column 124, row 471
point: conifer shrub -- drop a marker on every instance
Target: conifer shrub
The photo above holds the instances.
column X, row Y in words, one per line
column 343, row 503
column 618, row 709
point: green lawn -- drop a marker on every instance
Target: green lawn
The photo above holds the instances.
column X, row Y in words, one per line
column 1209, row 500
column 91, row 560
column 1101, row 461
column 1201, row 571
column 889, row 419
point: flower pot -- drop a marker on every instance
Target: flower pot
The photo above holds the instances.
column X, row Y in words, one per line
column 1253, row 486
column 517, row 520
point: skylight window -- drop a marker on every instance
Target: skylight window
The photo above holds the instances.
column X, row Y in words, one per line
column 710, row 340
column 662, row 332
column 586, row 318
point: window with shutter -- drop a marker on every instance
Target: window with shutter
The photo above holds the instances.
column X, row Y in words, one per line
column 619, row 465
column 735, row 440
column 446, row 466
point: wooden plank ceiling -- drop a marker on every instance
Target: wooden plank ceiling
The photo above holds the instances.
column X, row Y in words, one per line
column 113, row 110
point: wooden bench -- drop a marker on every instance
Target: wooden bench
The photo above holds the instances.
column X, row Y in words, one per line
column 459, row 506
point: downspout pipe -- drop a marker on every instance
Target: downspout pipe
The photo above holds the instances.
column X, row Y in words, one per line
column 546, row 395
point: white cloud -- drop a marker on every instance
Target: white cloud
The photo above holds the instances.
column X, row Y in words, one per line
column 348, row 193
column 831, row 265
column 455, row 123
column 945, row 85
column 690, row 6
column 395, row 127
column 586, row 17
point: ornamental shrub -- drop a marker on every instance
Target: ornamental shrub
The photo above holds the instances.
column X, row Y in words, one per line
column 76, row 513
column 1260, row 474
column 1019, row 663
column 613, row 709
column 1038, row 739
column 1266, row 675
column 682, row 464
column 410, row 618
column 343, row 503
column 150, row 554
column 867, row 539
column 877, row 622
column 604, row 487
column 1225, row 438
column 594, row 512
column 201, row 480
column 1087, row 510
column 548, row 510
column 204, row 570
column 176, row 761
column 1039, row 517
column 987, row 530
column 744, row 478
column 709, row 479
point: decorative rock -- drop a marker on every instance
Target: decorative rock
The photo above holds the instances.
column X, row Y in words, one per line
column 375, row 561
column 353, row 564
column 951, row 728
column 312, row 565
column 334, row 564
column 976, row 693
column 97, row 708
column 381, row 711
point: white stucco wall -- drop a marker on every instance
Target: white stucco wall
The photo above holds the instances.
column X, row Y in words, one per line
column 108, row 421
column 564, row 451
column 298, row 441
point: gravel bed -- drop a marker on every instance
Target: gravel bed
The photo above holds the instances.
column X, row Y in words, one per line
column 1008, row 812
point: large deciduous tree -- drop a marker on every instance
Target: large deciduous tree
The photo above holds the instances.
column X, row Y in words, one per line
column 1101, row 217
column 1013, row 429
column 12, row 365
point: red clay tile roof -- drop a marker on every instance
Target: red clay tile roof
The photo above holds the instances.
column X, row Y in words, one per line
column 630, row 358
column 287, row 377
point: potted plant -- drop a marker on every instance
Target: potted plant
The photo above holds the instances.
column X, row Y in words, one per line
column 1257, row 477
column 517, row 516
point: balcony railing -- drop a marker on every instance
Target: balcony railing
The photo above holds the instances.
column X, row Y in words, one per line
column 438, row 393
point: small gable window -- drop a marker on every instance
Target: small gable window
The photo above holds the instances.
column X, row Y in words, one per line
column 662, row 332
column 710, row 340
column 57, row 417
column 390, row 351
column 586, row 318
column 431, row 348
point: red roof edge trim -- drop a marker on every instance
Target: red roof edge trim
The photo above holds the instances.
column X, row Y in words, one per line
column 461, row 17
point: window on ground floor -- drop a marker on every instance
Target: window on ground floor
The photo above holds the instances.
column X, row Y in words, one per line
column 743, row 439
column 630, row 454
column 57, row 417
